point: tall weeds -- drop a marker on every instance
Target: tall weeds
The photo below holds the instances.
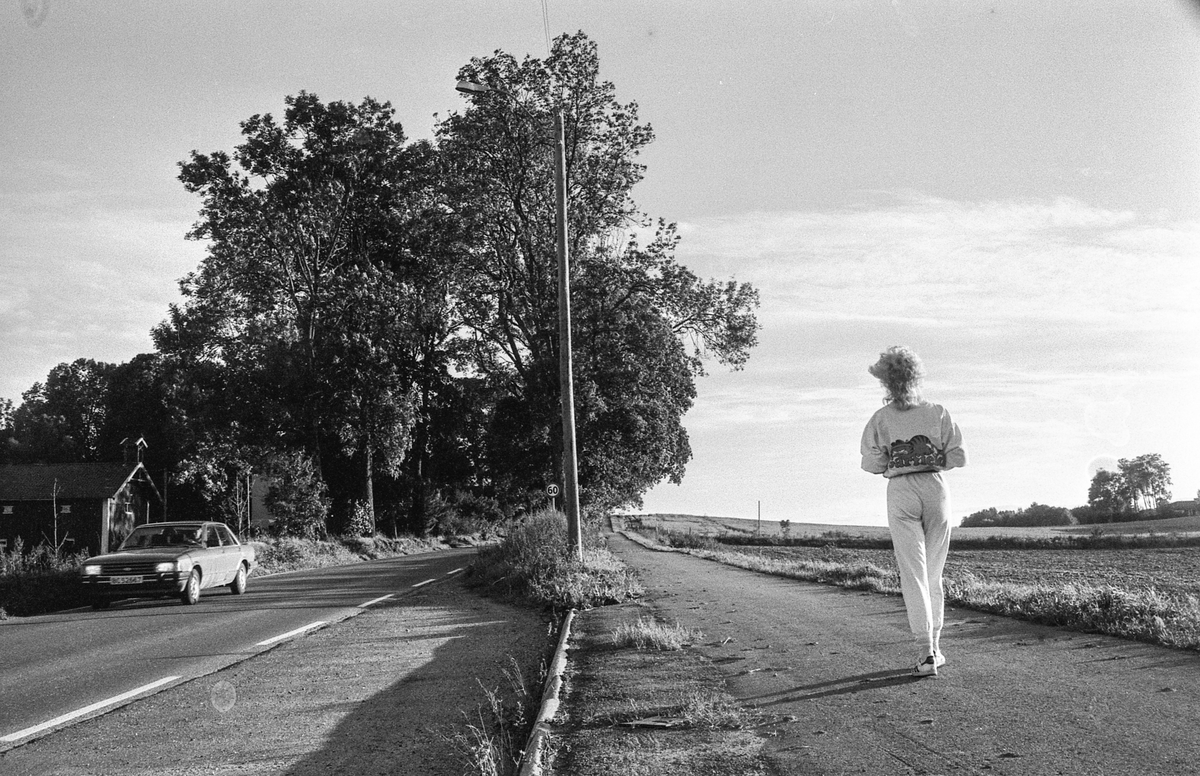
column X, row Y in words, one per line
column 495, row 733
column 39, row 580
column 532, row 563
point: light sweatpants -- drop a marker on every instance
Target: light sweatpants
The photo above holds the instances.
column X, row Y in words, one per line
column 918, row 508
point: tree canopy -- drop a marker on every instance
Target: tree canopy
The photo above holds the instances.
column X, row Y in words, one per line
column 634, row 307
column 305, row 298
column 1140, row 484
column 374, row 324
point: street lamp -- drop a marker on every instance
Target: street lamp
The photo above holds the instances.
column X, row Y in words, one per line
column 565, row 365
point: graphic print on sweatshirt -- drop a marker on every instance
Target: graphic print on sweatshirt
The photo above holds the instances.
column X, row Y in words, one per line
column 918, row 451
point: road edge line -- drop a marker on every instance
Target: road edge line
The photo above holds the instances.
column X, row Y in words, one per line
column 296, row 632
column 71, row 716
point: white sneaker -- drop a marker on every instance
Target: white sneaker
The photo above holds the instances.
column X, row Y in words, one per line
column 927, row 667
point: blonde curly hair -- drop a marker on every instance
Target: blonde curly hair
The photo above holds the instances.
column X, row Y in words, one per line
column 900, row 371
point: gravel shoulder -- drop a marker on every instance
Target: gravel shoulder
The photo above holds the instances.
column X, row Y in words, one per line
column 383, row 692
column 823, row 676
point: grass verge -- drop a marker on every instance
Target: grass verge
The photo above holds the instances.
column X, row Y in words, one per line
column 1097, row 539
column 531, row 563
column 1167, row 618
column 290, row 554
column 645, row 712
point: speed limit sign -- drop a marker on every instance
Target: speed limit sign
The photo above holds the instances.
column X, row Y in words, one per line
column 551, row 490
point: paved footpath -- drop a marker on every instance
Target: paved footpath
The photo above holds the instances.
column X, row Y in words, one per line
column 1015, row 698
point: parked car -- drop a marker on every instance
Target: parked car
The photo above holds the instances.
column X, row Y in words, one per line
column 169, row 559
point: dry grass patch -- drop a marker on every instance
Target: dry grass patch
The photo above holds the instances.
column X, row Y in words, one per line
column 698, row 708
column 649, row 633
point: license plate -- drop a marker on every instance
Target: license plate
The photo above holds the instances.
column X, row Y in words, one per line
column 126, row 581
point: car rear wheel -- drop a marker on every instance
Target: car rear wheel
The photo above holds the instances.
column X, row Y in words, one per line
column 238, row 585
column 191, row 591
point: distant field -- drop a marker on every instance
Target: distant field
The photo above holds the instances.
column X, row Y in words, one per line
column 718, row 525
column 1174, row 569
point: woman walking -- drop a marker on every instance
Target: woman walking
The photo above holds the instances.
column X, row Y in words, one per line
column 910, row 442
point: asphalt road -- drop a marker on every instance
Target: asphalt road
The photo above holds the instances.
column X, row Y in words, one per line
column 828, row 671
column 61, row 668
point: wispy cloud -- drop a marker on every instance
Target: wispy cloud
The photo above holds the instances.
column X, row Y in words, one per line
column 931, row 261
column 83, row 274
column 1055, row 331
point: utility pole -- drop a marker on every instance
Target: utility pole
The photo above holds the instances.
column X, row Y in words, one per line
column 565, row 369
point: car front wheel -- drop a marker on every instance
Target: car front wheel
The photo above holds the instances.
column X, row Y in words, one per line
column 191, row 591
column 238, row 585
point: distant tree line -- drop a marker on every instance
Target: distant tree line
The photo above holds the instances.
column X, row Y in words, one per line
column 375, row 323
column 1140, row 488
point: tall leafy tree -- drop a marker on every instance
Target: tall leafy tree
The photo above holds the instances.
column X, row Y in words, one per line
column 1108, row 494
column 1147, row 479
column 305, row 297
column 1140, row 483
column 642, row 322
column 61, row 420
column 8, row 439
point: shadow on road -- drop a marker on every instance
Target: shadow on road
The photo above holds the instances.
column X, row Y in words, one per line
column 432, row 679
column 845, row 686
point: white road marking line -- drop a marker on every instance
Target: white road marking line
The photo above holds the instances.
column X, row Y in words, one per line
column 376, row 600
column 452, row 573
column 423, row 584
column 289, row 634
column 29, row 731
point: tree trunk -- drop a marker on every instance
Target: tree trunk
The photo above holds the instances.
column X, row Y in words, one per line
column 419, row 459
column 369, row 485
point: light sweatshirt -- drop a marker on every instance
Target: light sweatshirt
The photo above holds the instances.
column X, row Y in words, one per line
column 919, row 439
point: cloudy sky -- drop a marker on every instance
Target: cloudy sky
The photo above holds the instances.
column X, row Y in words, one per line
column 1011, row 187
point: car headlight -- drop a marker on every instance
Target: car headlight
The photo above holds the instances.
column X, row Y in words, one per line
column 89, row 571
column 163, row 568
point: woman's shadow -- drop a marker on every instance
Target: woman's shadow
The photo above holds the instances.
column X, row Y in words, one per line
column 846, row 686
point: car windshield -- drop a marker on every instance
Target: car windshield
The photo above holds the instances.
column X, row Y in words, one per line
column 161, row 536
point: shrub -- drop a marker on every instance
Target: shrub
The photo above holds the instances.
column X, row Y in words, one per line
column 289, row 553
column 361, row 521
column 39, row 580
column 297, row 497
column 465, row 513
column 1036, row 515
column 686, row 540
column 532, row 563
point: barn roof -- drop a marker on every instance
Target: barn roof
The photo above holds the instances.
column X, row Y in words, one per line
column 36, row 482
